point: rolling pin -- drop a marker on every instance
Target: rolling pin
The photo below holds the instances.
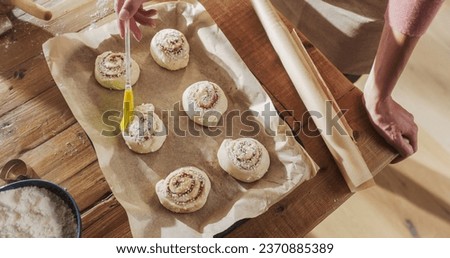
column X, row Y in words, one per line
column 314, row 94
column 30, row 7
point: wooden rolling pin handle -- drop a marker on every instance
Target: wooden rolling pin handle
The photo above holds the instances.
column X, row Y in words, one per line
column 33, row 9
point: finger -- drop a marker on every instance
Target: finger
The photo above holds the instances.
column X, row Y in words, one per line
column 396, row 140
column 121, row 26
column 411, row 135
column 135, row 30
column 144, row 20
column 129, row 9
column 415, row 143
column 403, row 146
column 409, row 152
column 148, row 13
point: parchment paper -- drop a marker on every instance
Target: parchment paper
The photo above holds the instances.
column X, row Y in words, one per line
column 314, row 94
column 132, row 177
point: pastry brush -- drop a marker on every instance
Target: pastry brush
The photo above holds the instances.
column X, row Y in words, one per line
column 128, row 101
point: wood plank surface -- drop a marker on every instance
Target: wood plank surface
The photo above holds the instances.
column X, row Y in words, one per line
column 37, row 126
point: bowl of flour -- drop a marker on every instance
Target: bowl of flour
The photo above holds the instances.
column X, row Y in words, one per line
column 38, row 208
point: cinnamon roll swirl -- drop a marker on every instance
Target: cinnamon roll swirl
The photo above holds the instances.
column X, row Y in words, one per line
column 184, row 190
column 205, row 103
column 110, row 70
column 170, row 49
column 146, row 133
column 245, row 159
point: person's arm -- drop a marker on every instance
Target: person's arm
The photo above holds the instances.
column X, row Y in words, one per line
column 406, row 21
column 133, row 10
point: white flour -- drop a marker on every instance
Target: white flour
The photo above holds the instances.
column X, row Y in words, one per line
column 104, row 7
column 34, row 212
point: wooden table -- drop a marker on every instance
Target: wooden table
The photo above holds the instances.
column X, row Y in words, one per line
column 37, row 126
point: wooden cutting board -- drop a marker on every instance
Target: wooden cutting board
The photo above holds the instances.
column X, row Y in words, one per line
column 37, row 126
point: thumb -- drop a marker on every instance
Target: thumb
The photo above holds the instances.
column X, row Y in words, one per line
column 129, row 9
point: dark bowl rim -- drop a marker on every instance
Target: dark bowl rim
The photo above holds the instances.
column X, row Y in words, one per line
column 46, row 185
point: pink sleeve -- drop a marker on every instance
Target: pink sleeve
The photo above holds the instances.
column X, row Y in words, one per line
column 411, row 17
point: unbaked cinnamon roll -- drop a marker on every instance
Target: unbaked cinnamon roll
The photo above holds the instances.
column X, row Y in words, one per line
column 245, row 159
column 110, row 70
column 146, row 133
column 205, row 103
column 184, row 190
column 170, row 49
